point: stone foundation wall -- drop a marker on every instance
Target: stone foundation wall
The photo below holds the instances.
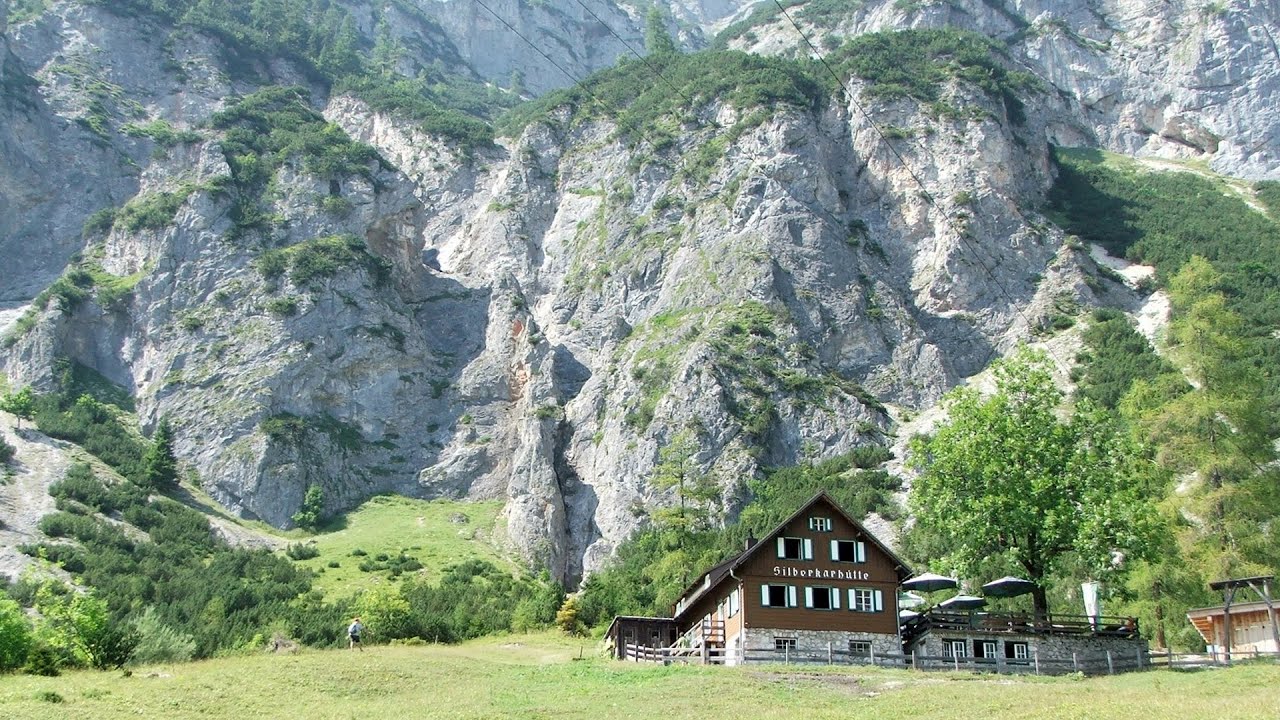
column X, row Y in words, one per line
column 813, row 645
column 1056, row 654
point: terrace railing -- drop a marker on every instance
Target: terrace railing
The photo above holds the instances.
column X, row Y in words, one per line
column 1019, row 623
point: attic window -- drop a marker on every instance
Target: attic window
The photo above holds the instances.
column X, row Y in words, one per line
column 820, row 524
column 854, row 551
column 790, row 548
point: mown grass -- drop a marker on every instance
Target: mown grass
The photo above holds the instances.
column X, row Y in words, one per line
column 538, row 676
column 433, row 531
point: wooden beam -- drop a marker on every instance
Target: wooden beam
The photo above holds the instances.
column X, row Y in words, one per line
column 1265, row 592
column 1229, row 594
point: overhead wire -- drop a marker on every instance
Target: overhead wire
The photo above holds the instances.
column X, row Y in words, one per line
column 902, row 161
column 643, row 58
column 576, row 81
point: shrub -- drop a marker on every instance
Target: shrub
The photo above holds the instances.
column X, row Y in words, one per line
column 283, row 306
column 312, row 510
column 49, row 696
column 302, row 551
column 154, row 211
column 15, row 635
column 99, row 223
column 7, row 451
column 42, row 660
column 160, row 643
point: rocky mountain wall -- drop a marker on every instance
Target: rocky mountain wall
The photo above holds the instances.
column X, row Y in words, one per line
column 533, row 321
column 1181, row 79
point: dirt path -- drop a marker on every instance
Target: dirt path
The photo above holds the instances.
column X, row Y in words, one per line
column 39, row 462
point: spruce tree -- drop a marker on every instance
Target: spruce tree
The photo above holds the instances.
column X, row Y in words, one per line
column 160, row 466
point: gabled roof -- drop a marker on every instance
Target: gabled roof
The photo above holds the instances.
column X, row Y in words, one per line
column 711, row 579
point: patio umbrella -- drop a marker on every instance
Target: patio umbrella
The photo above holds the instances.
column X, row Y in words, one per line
column 1008, row 586
column 929, row 582
column 909, row 600
column 963, row 602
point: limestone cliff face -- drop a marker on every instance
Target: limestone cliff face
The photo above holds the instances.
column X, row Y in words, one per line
column 1177, row 79
column 534, row 321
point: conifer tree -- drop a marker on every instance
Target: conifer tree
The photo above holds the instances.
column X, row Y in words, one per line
column 656, row 38
column 160, row 465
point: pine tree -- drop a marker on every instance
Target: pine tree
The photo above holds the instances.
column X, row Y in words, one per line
column 656, row 38
column 159, row 465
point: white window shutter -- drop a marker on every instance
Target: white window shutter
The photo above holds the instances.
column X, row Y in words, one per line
column 835, row 550
column 853, row 599
column 791, row 592
column 764, row 595
column 812, row 523
column 782, row 547
column 835, row 598
column 808, row 549
column 862, row 552
column 878, row 599
column 808, row 597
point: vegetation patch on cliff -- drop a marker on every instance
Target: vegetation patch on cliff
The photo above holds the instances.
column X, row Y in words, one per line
column 643, row 109
column 1163, row 219
column 308, row 264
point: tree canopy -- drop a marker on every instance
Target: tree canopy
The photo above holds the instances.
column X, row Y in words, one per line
column 1007, row 477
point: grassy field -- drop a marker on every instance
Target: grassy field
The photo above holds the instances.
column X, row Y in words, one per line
column 438, row 533
column 538, row 676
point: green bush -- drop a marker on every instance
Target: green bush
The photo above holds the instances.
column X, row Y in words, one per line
column 283, row 306
column 160, row 643
column 15, row 635
column 313, row 261
column 95, row 426
column 312, row 510
column 99, row 223
column 7, row 451
column 412, row 99
column 302, row 551
column 1269, row 195
column 42, row 660
column 917, row 63
column 153, row 211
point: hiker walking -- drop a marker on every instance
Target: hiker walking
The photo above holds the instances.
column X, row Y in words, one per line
column 353, row 633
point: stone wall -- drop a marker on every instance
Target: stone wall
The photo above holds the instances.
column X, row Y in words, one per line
column 814, row 646
column 1054, row 654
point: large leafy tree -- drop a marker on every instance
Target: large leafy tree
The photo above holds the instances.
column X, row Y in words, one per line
column 22, row 404
column 1007, row 476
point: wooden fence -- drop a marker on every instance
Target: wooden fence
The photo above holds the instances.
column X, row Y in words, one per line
column 1089, row 664
column 1168, row 659
column 1106, row 663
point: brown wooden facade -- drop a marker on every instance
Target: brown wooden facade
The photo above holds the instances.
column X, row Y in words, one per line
column 1253, row 627
column 818, row 578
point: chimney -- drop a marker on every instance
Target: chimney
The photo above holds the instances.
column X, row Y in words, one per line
column 750, row 542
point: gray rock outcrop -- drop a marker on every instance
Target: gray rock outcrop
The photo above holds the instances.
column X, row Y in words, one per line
column 535, row 321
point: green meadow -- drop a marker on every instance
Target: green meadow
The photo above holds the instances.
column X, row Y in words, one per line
column 552, row 676
column 438, row 533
